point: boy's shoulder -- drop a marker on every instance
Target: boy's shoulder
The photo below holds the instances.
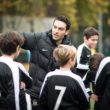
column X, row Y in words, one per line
column 81, row 46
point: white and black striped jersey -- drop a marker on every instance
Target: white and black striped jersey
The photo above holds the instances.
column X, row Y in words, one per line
column 88, row 78
column 63, row 90
column 102, row 85
column 83, row 57
column 11, row 96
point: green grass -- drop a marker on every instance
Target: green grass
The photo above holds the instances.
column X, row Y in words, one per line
column 91, row 105
column 91, row 101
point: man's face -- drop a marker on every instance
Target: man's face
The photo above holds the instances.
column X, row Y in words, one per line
column 92, row 42
column 59, row 30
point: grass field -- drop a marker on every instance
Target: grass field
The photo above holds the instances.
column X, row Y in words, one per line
column 91, row 105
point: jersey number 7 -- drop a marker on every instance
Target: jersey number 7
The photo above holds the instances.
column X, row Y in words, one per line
column 60, row 96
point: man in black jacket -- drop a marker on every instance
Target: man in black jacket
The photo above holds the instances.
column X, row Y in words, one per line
column 41, row 46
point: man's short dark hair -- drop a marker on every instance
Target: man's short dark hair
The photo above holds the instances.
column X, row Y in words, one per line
column 65, row 20
column 90, row 31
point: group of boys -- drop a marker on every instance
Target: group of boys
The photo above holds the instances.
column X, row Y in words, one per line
column 58, row 80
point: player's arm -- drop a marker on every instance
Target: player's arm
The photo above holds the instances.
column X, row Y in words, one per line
column 101, row 76
column 6, row 79
column 87, row 79
column 43, row 100
column 81, row 58
column 30, row 40
column 82, row 95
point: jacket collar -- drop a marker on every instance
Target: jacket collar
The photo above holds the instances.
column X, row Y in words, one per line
column 66, row 39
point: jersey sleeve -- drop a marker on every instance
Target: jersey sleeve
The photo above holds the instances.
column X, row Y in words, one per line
column 82, row 96
column 102, row 79
column 43, row 101
column 6, row 87
column 102, row 86
column 88, row 78
column 82, row 58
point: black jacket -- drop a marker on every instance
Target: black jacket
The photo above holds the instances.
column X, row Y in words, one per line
column 41, row 46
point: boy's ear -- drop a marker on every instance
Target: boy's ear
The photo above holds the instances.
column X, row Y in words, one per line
column 85, row 38
column 18, row 47
column 69, row 61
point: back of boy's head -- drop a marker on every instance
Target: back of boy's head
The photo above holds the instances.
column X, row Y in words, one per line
column 63, row 53
column 90, row 31
column 95, row 61
column 9, row 42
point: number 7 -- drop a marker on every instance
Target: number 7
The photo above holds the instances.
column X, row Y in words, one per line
column 60, row 96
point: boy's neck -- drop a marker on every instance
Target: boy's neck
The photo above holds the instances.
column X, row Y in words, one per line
column 87, row 46
column 10, row 56
column 58, row 42
column 65, row 68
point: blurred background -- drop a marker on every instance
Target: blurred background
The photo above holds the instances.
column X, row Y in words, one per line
column 38, row 15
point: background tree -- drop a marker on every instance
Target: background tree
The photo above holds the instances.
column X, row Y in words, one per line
column 80, row 12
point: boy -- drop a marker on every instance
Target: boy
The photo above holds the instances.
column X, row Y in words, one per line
column 102, row 85
column 62, row 89
column 90, row 75
column 13, row 76
column 90, row 37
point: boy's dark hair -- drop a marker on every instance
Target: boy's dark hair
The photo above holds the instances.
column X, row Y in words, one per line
column 95, row 61
column 65, row 20
column 9, row 42
column 90, row 31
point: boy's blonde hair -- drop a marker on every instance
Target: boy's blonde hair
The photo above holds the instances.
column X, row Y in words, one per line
column 63, row 53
